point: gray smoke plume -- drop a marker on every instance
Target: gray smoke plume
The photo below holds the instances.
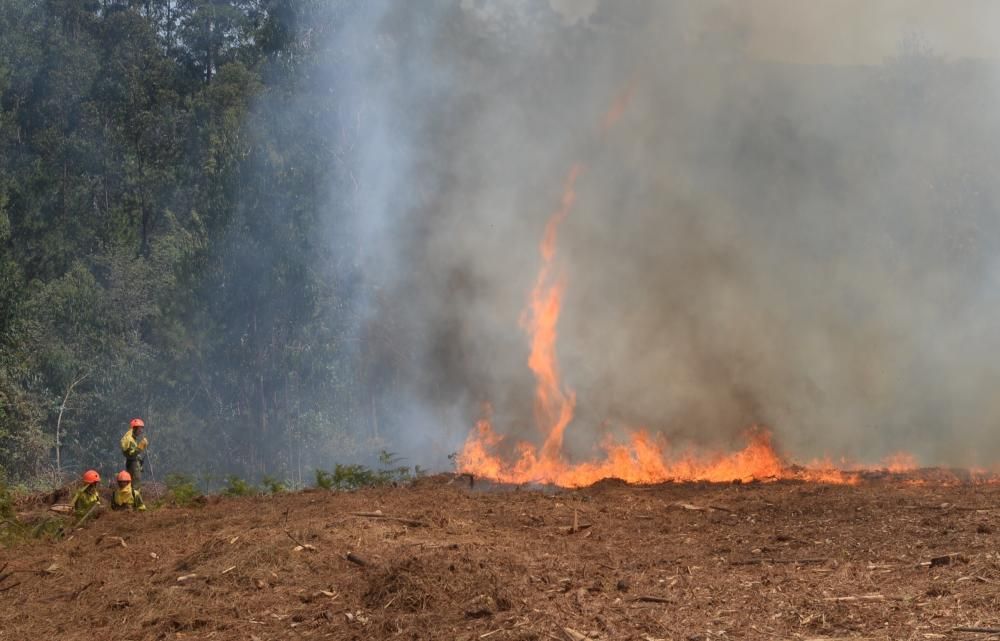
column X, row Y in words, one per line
column 782, row 230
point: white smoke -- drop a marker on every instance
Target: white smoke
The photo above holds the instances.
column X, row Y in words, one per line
column 787, row 226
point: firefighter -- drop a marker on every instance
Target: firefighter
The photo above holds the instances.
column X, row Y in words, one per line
column 87, row 497
column 126, row 497
column 134, row 450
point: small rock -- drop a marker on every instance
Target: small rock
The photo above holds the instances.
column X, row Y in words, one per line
column 623, row 585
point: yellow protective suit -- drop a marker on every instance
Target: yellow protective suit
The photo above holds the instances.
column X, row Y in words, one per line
column 85, row 498
column 127, row 498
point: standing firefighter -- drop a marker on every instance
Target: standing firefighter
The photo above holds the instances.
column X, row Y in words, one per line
column 126, row 497
column 86, row 498
column 134, row 450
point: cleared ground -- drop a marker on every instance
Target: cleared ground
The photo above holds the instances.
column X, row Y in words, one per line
column 883, row 560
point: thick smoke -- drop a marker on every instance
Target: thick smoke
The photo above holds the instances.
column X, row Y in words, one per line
column 778, row 230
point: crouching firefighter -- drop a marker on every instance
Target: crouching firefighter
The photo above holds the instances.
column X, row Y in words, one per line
column 134, row 448
column 87, row 497
column 126, row 497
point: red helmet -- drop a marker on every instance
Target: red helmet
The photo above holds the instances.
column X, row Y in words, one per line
column 124, row 476
column 136, row 422
column 91, row 476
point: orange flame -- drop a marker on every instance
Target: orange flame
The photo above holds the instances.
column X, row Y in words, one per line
column 643, row 458
column 618, row 107
column 553, row 405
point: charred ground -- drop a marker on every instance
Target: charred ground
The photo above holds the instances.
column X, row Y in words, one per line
column 784, row 560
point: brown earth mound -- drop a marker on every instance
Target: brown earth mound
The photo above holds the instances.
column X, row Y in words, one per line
column 441, row 560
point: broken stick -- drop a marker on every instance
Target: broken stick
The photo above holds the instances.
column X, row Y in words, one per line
column 354, row 558
column 772, row 560
column 379, row 515
column 652, row 599
column 860, row 597
column 978, row 630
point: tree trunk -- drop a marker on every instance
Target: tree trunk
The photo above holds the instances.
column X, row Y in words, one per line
column 62, row 410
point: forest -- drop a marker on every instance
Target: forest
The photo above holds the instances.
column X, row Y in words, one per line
column 165, row 183
column 295, row 233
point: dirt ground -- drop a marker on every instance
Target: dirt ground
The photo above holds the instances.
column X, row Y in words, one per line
column 883, row 560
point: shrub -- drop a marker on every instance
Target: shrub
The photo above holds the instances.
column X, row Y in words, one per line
column 273, row 485
column 6, row 501
column 235, row 486
column 353, row 477
column 182, row 491
column 324, row 480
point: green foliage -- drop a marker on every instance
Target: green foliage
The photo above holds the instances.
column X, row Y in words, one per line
column 388, row 459
column 273, row 485
column 182, row 490
column 354, row 477
column 13, row 530
column 235, row 486
column 6, row 501
column 324, row 480
column 347, row 477
column 159, row 217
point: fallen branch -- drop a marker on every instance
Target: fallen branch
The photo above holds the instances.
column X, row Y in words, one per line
column 859, row 597
column 379, row 515
column 944, row 559
column 771, row 560
column 354, row 558
column 115, row 539
column 573, row 635
column 702, row 508
column 652, row 599
column 76, row 595
column 978, row 630
column 299, row 545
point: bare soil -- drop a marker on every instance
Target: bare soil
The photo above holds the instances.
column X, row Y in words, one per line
column 882, row 560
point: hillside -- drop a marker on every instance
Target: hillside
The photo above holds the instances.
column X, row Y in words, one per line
column 445, row 561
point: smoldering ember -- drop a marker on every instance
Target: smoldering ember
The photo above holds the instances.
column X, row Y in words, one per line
column 587, row 320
